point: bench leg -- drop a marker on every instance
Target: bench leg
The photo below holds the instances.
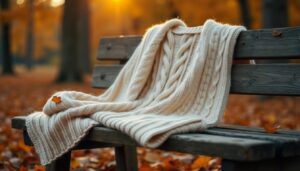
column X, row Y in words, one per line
column 60, row 164
column 278, row 164
column 126, row 158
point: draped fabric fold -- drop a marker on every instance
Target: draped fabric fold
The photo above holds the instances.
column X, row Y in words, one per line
column 177, row 80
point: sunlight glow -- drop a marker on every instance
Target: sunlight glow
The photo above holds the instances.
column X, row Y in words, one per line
column 19, row 2
column 117, row 1
column 56, row 3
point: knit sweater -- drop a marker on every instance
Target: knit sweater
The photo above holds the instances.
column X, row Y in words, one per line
column 177, row 80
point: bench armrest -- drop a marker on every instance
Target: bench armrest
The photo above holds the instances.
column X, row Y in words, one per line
column 18, row 122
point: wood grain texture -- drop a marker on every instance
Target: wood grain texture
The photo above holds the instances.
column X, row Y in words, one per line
column 117, row 48
column 265, row 79
column 279, row 43
column 286, row 145
column 104, row 75
column 197, row 143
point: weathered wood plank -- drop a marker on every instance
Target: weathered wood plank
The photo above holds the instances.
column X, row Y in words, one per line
column 276, row 43
column 286, row 145
column 104, row 75
column 257, row 129
column 276, row 164
column 118, row 48
column 265, row 79
column 227, row 147
column 279, row 43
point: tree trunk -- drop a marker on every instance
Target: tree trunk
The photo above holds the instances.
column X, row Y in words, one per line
column 7, row 63
column 30, row 38
column 245, row 13
column 70, row 69
column 84, row 37
column 275, row 13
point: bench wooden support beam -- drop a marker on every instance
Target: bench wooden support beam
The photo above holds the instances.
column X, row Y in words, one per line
column 60, row 164
column 277, row 164
column 126, row 158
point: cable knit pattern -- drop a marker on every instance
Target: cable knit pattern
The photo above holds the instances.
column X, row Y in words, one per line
column 176, row 81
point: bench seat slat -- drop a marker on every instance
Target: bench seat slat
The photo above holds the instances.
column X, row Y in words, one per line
column 279, row 43
column 235, row 144
column 290, row 145
column 257, row 129
column 265, row 79
column 231, row 147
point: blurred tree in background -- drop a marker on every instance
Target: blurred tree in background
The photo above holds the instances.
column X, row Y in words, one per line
column 30, row 38
column 70, row 69
column 5, row 40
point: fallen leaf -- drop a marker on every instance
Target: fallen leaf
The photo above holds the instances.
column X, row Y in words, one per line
column 39, row 168
column 271, row 128
column 171, row 164
column 201, row 162
column 23, row 168
column 152, row 157
column 145, row 167
column 75, row 164
column 24, row 147
column 56, row 99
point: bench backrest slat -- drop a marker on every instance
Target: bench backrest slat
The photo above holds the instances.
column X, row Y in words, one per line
column 267, row 79
column 253, row 44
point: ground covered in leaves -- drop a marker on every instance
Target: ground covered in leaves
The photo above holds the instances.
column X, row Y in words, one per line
column 28, row 91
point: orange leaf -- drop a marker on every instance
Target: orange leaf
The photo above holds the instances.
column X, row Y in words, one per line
column 201, row 162
column 39, row 168
column 145, row 167
column 56, row 99
column 75, row 164
column 171, row 164
column 24, row 147
column 22, row 168
column 271, row 128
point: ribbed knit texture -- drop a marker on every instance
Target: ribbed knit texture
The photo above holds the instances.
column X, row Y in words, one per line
column 177, row 80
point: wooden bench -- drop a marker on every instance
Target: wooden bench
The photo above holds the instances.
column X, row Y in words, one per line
column 242, row 148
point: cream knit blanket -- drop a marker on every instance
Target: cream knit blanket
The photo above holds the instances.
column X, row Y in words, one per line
column 177, row 80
